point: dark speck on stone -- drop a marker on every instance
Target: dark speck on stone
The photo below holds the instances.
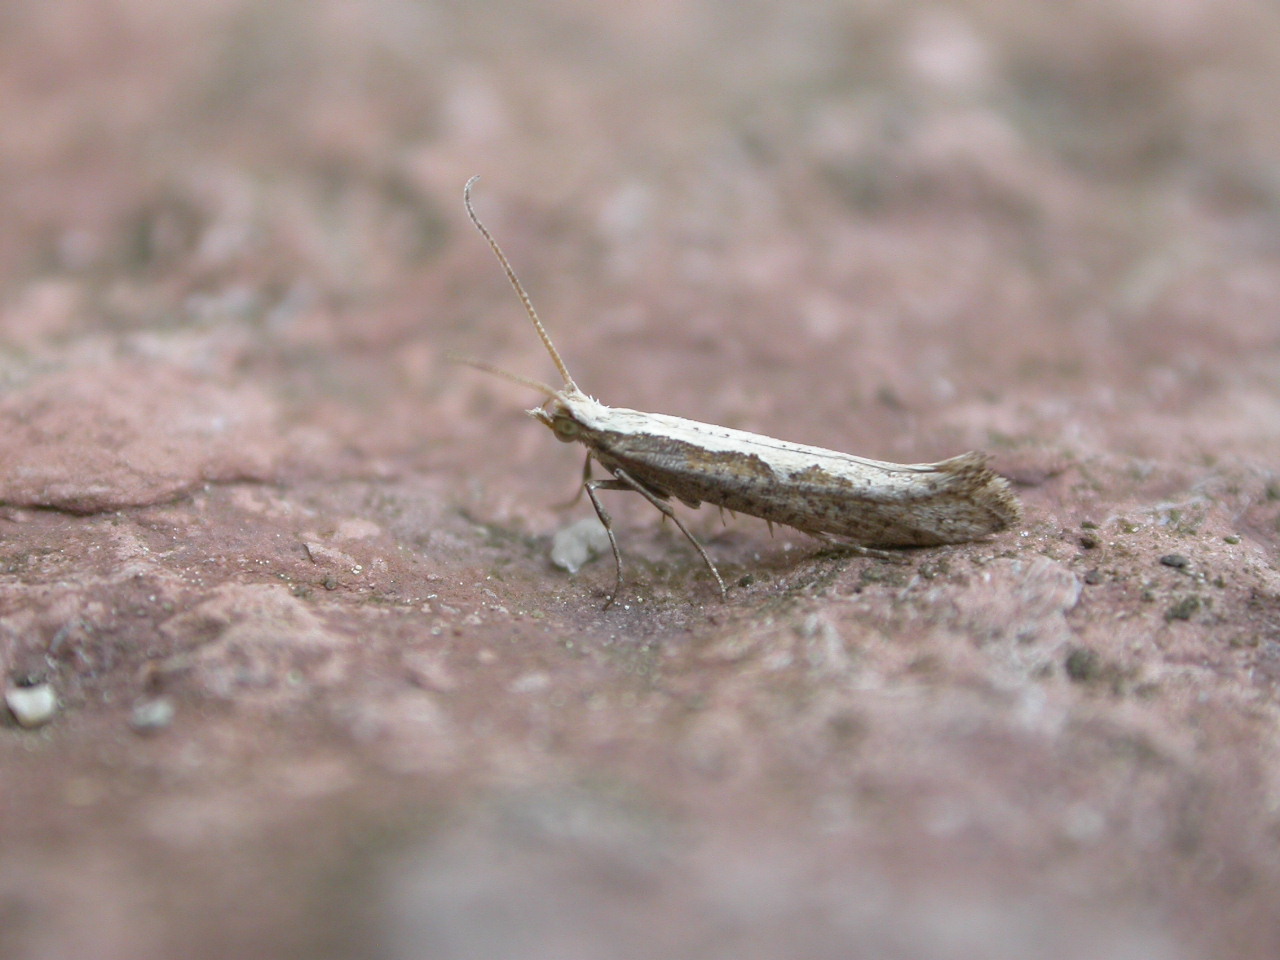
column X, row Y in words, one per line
column 1184, row 609
column 1175, row 560
column 1083, row 664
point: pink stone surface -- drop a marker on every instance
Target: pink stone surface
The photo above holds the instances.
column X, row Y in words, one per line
column 115, row 435
column 238, row 472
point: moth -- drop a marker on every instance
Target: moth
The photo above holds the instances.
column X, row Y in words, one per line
column 841, row 499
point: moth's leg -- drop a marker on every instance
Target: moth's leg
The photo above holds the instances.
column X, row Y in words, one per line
column 591, row 486
column 629, row 483
column 857, row 549
column 586, row 477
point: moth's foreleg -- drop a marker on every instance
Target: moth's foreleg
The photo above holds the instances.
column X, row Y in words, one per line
column 590, row 486
column 626, row 482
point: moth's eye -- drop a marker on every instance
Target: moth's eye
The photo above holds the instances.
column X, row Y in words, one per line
column 565, row 429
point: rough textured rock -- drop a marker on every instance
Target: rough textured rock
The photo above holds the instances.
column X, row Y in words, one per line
column 113, row 435
column 249, row 508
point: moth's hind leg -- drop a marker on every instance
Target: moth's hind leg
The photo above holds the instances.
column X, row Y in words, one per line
column 624, row 481
column 857, row 549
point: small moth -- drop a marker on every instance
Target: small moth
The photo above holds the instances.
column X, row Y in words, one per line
column 837, row 497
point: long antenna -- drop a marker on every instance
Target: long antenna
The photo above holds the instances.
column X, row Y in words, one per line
column 548, row 391
column 515, row 282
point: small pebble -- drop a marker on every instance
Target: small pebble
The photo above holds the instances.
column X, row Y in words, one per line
column 151, row 714
column 1083, row 665
column 32, row 706
column 1175, row 560
column 1184, row 609
column 577, row 543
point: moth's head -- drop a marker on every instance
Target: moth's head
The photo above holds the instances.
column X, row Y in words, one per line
column 558, row 416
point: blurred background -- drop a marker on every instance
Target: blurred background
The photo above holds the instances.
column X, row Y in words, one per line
column 906, row 203
column 232, row 246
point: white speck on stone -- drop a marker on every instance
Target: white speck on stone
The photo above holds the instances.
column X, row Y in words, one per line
column 151, row 714
column 32, row 706
column 530, row 683
column 579, row 543
column 1083, row 823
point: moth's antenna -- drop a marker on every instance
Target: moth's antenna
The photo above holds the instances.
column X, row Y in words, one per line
column 515, row 282
column 548, row 391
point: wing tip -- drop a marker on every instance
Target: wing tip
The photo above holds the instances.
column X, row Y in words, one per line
column 975, row 480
